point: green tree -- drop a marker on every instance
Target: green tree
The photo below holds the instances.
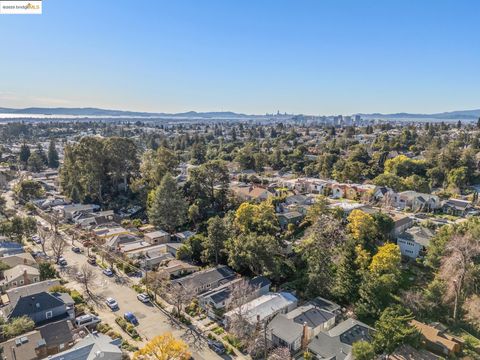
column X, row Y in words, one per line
column 256, row 254
column 347, row 275
column 380, row 282
column 393, row 329
column 47, row 271
column 168, row 208
column 208, row 187
column 215, row 241
column 24, row 154
column 318, row 250
column 17, row 326
column 458, row 177
column 52, row 155
column 35, row 163
column 28, row 190
column 363, row 350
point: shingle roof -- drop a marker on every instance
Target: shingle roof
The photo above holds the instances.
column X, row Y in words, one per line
column 57, row 333
column 206, row 277
column 31, row 304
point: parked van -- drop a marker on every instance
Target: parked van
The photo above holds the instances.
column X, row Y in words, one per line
column 86, row 320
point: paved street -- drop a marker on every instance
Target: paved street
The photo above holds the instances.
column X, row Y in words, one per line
column 152, row 321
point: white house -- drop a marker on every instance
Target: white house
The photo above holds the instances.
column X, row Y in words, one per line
column 414, row 241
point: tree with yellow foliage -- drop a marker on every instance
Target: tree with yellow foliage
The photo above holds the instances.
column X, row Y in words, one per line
column 362, row 227
column 386, row 260
column 163, row 347
column 380, row 282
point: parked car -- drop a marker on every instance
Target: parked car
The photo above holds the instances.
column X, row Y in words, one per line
column 143, row 297
column 61, row 261
column 37, row 239
column 130, row 318
column 108, row 272
column 92, row 260
column 76, row 249
column 86, row 320
column 217, row 346
column 111, row 303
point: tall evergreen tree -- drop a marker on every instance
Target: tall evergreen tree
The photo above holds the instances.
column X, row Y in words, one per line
column 167, row 208
column 52, row 155
column 215, row 241
column 347, row 276
column 24, row 154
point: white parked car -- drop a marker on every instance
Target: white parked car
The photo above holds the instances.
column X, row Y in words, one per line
column 86, row 320
column 143, row 297
column 112, row 303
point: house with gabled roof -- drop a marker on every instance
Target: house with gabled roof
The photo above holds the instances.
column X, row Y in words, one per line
column 18, row 276
column 42, row 308
column 337, row 342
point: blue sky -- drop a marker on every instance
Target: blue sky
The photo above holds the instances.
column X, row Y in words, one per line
column 251, row 56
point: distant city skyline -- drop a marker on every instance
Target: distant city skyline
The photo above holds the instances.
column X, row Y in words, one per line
column 311, row 57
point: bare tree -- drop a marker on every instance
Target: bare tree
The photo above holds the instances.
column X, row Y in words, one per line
column 85, row 276
column 179, row 295
column 457, row 267
column 57, row 245
column 156, row 282
column 280, row 353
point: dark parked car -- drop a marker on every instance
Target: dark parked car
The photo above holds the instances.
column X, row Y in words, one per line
column 130, row 318
column 76, row 249
column 217, row 346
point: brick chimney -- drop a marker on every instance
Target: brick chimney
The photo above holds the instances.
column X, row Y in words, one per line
column 305, row 336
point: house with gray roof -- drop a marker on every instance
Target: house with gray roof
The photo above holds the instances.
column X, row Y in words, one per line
column 295, row 328
column 205, row 280
column 414, row 242
column 263, row 308
column 27, row 290
column 217, row 300
column 19, row 259
column 42, row 308
column 18, row 276
column 336, row 344
column 93, row 346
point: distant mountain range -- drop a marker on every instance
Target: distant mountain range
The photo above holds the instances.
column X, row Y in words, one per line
column 452, row 115
column 105, row 112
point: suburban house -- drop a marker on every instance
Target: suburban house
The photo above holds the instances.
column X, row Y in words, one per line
column 437, row 340
column 413, row 242
column 385, row 195
column 457, row 207
column 57, row 336
column 337, row 342
column 10, row 247
column 29, row 346
column 12, row 295
column 176, row 268
column 89, row 219
column 217, row 300
column 295, row 328
column 205, row 280
column 157, row 237
column 18, row 276
column 251, row 193
column 19, row 259
column 418, row 201
column 92, row 346
column 43, row 307
column 262, row 308
column 401, row 223
column 115, row 241
column 107, row 231
column 69, row 211
column 183, row 236
column 291, row 217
